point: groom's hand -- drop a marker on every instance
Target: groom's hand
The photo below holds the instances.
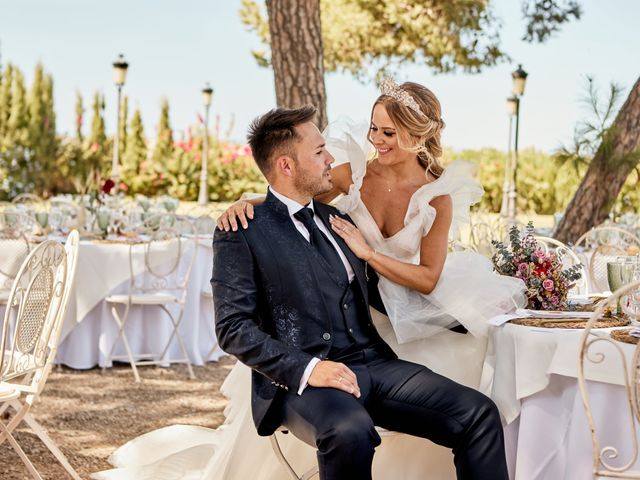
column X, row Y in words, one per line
column 334, row 375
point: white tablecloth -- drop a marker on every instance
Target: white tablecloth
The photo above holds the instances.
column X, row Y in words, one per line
column 534, row 384
column 89, row 329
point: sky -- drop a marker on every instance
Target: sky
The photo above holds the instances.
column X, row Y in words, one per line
column 174, row 48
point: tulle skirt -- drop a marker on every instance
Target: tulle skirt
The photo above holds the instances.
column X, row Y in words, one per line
column 468, row 292
column 234, row 451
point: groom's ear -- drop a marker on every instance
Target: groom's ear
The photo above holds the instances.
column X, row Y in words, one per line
column 285, row 165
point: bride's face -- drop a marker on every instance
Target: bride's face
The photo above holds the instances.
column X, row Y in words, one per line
column 383, row 135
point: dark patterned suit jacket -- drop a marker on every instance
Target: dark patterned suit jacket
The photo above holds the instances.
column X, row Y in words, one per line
column 269, row 311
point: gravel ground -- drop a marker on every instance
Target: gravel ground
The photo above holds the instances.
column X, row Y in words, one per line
column 90, row 413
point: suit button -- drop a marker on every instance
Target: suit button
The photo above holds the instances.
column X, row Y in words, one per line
column 326, row 336
column 351, row 330
column 345, row 306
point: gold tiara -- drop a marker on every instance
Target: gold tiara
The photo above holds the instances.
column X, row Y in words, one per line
column 391, row 89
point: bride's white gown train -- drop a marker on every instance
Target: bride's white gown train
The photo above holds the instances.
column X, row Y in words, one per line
column 467, row 292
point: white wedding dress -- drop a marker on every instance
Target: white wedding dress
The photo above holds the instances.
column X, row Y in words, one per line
column 468, row 292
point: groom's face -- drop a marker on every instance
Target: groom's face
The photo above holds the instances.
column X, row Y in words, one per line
column 313, row 162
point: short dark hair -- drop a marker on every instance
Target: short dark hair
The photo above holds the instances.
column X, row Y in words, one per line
column 273, row 134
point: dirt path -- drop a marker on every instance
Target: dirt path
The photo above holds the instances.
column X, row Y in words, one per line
column 89, row 414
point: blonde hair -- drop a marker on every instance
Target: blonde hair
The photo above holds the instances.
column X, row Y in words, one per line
column 418, row 132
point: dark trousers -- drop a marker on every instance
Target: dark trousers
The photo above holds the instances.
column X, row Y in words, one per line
column 404, row 397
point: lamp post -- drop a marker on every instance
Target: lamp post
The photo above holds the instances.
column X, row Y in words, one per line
column 119, row 76
column 203, row 194
column 519, row 78
column 512, row 106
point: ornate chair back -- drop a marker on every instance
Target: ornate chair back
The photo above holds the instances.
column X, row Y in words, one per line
column 569, row 259
column 480, row 238
column 612, row 460
column 15, row 247
column 607, row 235
column 163, row 253
column 602, row 255
column 37, row 296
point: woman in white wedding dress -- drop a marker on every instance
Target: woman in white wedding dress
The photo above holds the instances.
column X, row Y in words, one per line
column 407, row 208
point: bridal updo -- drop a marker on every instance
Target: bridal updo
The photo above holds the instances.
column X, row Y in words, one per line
column 418, row 132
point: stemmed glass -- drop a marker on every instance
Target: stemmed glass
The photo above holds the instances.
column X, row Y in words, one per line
column 621, row 273
column 103, row 219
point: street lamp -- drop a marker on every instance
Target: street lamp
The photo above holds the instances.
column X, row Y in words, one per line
column 519, row 78
column 203, row 195
column 119, row 76
column 512, row 107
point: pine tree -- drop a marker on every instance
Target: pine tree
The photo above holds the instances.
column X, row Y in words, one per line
column 164, row 142
column 136, row 152
column 79, row 117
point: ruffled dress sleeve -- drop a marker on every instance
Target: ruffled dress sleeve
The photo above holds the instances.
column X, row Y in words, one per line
column 348, row 144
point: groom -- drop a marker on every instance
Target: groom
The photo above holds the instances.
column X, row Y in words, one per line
column 291, row 302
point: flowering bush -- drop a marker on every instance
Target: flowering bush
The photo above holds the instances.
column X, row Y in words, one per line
column 542, row 272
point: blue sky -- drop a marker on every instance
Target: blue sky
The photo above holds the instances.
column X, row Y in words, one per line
column 175, row 47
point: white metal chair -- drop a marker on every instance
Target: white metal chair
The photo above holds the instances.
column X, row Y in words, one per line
column 606, row 235
column 162, row 283
column 602, row 255
column 27, row 355
column 480, row 237
column 629, row 297
column 277, row 450
column 569, row 259
column 14, row 248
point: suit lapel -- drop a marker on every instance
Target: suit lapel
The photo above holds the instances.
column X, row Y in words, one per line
column 356, row 264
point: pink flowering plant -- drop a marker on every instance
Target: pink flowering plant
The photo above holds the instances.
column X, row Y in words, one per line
column 542, row 271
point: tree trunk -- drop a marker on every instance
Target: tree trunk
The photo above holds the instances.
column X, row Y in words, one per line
column 296, row 54
column 607, row 172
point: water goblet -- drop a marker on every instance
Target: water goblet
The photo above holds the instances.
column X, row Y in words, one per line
column 103, row 218
column 43, row 219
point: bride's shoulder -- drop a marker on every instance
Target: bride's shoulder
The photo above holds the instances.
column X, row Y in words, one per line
column 443, row 204
column 341, row 177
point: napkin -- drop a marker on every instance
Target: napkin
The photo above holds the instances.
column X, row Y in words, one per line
column 635, row 332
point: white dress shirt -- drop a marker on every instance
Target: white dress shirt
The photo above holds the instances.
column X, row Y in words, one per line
column 293, row 207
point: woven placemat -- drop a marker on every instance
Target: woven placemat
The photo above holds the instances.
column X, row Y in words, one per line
column 623, row 336
column 570, row 323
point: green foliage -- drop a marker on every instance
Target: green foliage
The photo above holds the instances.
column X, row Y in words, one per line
column 544, row 187
column 97, row 149
column 124, row 118
column 444, row 35
column 135, row 172
column 164, row 137
column 545, row 17
column 79, row 117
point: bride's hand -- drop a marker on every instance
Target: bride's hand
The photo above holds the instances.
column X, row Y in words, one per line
column 240, row 210
column 352, row 237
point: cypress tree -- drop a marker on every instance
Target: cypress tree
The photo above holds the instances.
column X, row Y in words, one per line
column 136, row 151
column 164, row 141
column 95, row 144
column 124, row 116
column 79, row 117
column 6, row 81
column 18, row 122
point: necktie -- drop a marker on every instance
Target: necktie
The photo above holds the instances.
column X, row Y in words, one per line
column 321, row 242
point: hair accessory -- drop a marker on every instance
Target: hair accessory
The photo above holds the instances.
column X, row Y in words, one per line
column 391, row 89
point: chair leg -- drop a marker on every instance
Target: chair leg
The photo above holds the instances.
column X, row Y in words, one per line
column 176, row 334
column 210, row 352
column 280, row 456
column 51, row 445
column 122, row 334
column 23, row 456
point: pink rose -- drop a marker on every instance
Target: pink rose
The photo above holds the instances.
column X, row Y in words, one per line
column 523, row 267
column 548, row 284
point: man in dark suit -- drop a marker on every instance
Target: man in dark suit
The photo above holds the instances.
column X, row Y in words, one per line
column 291, row 302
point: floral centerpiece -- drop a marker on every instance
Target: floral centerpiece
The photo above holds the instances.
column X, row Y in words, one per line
column 541, row 271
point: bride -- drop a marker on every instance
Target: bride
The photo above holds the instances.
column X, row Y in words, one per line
column 407, row 208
